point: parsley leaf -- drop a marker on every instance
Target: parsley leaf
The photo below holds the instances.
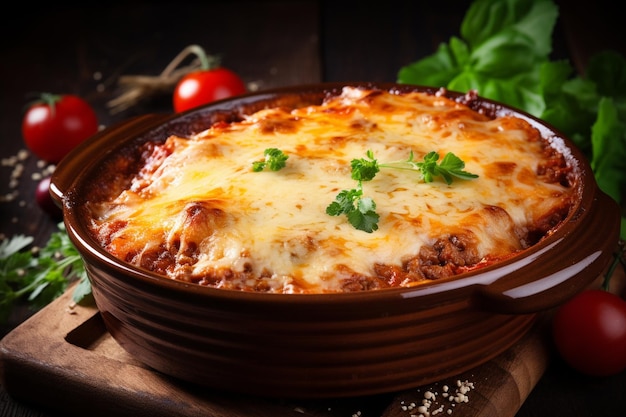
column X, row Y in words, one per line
column 275, row 160
column 364, row 169
column 39, row 275
column 361, row 211
column 450, row 166
column 17, row 243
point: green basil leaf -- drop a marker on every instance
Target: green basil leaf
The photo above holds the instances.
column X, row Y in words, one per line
column 434, row 70
column 534, row 18
column 505, row 54
column 608, row 137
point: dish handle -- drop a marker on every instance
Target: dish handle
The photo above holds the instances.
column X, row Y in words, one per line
column 594, row 242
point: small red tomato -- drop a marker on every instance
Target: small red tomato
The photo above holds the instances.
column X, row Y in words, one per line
column 205, row 86
column 589, row 332
column 53, row 126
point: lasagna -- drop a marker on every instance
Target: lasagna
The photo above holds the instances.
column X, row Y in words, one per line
column 194, row 208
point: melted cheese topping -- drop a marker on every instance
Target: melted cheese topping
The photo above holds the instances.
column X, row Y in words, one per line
column 196, row 211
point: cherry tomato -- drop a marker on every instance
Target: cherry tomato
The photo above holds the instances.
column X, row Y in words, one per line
column 44, row 199
column 54, row 125
column 204, row 86
column 589, row 332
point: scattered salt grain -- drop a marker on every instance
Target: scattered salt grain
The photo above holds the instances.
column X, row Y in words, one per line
column 431, row 406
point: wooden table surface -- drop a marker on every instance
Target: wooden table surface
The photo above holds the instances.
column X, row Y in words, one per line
column 83, row 50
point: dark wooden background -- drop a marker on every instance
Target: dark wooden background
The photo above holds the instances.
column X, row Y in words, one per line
column 84, row 49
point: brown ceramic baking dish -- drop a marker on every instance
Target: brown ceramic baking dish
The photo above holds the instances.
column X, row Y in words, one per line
column 328, row 345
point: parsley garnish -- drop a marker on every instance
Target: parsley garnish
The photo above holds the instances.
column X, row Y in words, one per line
column 39, row 275
column 450, row 166
column 275, row 160
column 361, row 211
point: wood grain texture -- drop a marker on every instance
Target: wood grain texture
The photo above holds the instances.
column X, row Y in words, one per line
column 499, row 387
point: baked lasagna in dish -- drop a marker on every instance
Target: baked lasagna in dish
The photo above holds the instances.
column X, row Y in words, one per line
column 204, row 209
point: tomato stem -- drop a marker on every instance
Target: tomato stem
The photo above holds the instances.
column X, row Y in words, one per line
column 49, row 99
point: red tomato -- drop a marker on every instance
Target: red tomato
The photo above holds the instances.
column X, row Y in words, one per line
column 589, row 332
column 55, row 125
column 204, row 86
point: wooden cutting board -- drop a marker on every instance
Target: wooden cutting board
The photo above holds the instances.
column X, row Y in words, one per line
column 63, row 359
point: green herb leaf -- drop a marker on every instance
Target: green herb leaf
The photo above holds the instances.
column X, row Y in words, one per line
column 275, row 160
column 344, row 202
column 534, row 20
column 608, row 138
column 450, row 166
column 10, row 246
column 364, row 169
column 499, row 53
column 364, row 217
column 39, row 276
column 361, row 211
